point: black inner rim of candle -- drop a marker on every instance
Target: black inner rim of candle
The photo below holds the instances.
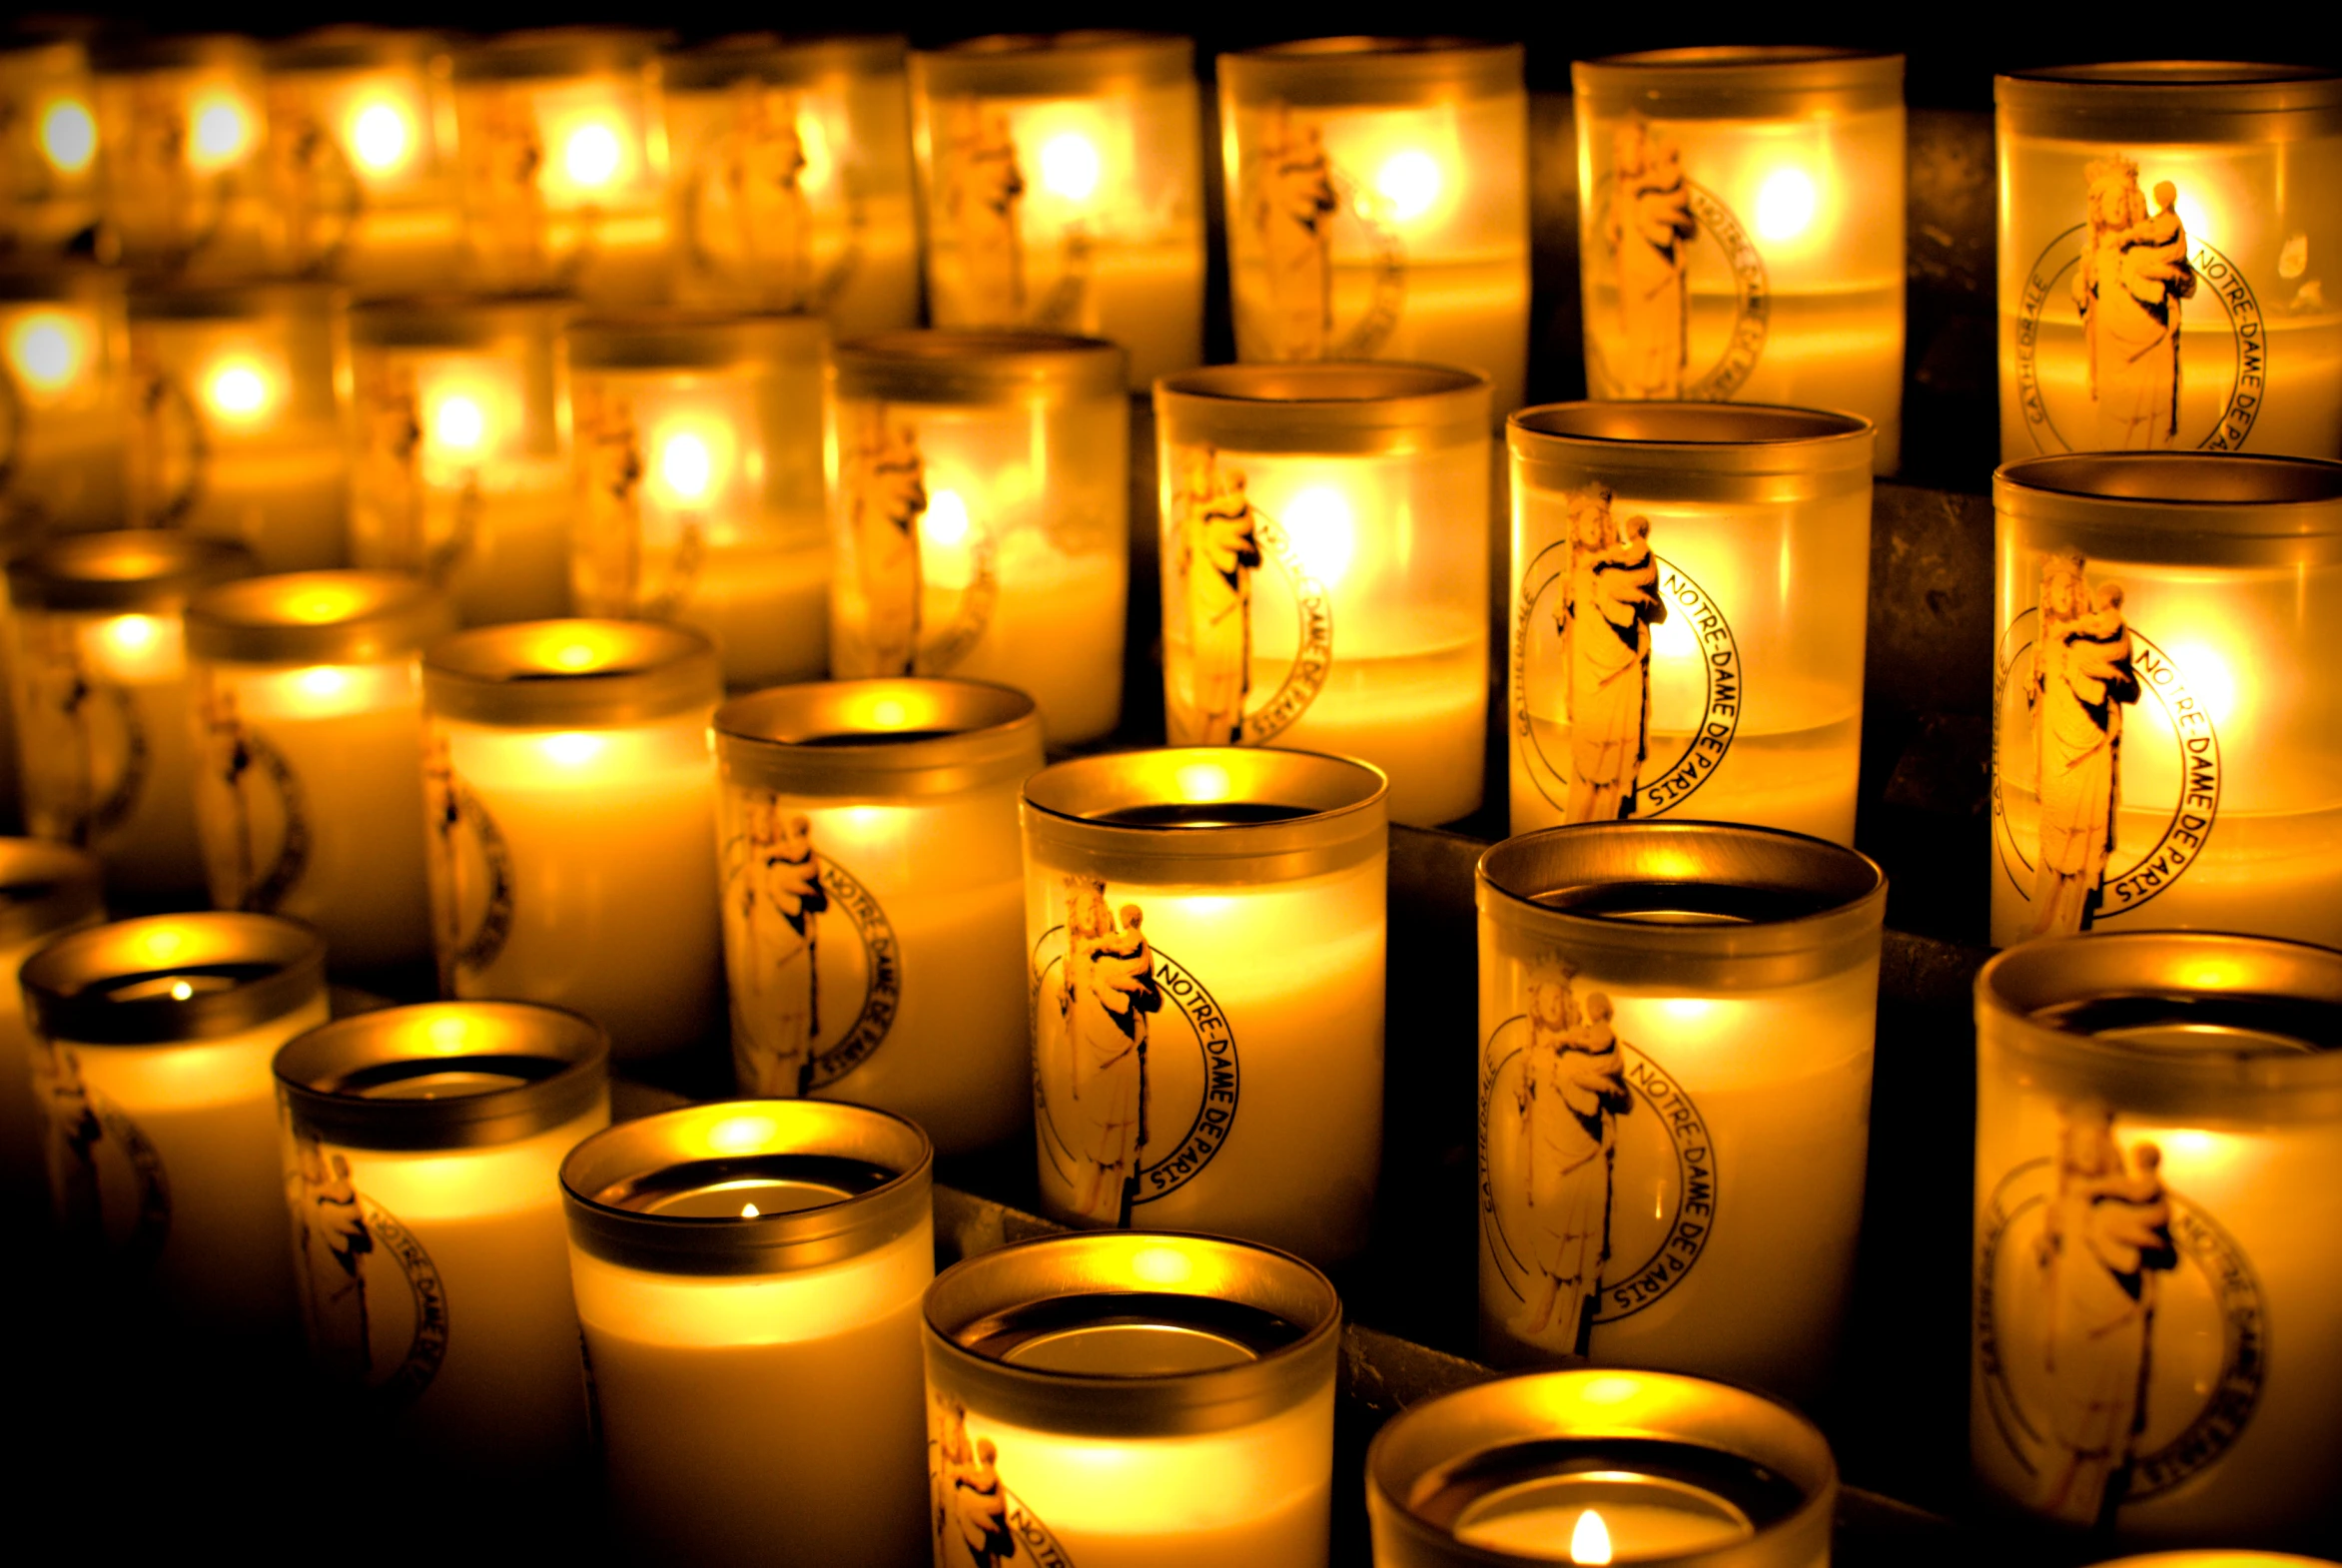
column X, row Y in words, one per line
column 840, row 1173
column 1255, row 1329
column 1764, row 1494
column 152, row 985
column 2217, row 1024
column 1200, row 814
column 377, row 1078
column 873, row 737
column 1685, row 902
column 27, row 890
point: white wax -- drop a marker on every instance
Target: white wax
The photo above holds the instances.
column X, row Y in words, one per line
column 1419, row 717
column 1056, row 634
column 290, row 503
column 767, row 611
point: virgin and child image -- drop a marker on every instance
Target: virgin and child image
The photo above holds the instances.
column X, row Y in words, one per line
column 1607, row 609
column 773, row 903
column 331, row 1244
column 971, row 1506
column 2134, row 275
column 887, row 491
column 1096, row 1022
column 752, row 218
column 1291, row 205
column 981, row 208
column 1218, row 543
column 1650, row 229
column 612, row 569
column 2082, row 680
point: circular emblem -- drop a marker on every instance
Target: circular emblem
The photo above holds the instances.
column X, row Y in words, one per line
column 979, row 1521
column 83, row 742
column 1695, row 720
column 1556, row 1141
column 471, row 882
column 106, row 1178
column 170, row 451
column 1314, row 650
column 1387, row 255
column 2119, row 1356
column 941, row 650
column 254, row 812
column 1729, row 265
column 375, row 1303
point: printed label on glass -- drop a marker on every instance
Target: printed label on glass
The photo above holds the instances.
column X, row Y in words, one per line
column 923, row 567
column 252, row 809
column 506, row 218
column 2121, row 1338
column 1134, row 1063
column 2098, row 360
column 1652, row 218
column 397, row 519
column 318, row 197
column 979, row 1521
column 771, row 207
column 1220, row 541
column 1303, row 209
column 375, row 1305
column 82, row 740
column 1570, row 1117
column 1583, row 635
column 170, row 448
column 2085, row 828
column 472, row 871
column 170, row 212
column 106, row 1180
column 981, row 262
column 618, row 567
column 805, row 1012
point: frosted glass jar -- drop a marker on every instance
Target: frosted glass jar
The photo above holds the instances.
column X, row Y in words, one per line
column 2144, row 201
column 52, row 889
column 1325, row 568
column 64, row 395
column 1207, row 930
column 1379, row 205
column 1689, row 599
column 699, row 483
column 1741, row 216
column 1062, row 189
column 49, row 149
column 979, row 498
column 183, row 138
column 793, row 187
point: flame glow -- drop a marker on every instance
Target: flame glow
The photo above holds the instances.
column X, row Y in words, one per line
column 1070, row 166
column 1589, row 1542
column 1410, row 182
column 1785, row 204
column 46, row 350
column 69, row 136
column 592, row 155
column 380, row 137
column 238, row 389
column 218, row 131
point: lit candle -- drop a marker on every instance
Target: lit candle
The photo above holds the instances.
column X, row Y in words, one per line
column 361, row 155
column 1131, row 1402
column 46, row 890
column 1061, row 183
column 792, row 178
column 1643, row 1169
column 2216, row 1559
column 1741, row 216
column 2140, row 201
column 183, row 124
column 572, row 824
column 1380, row 204
column 980, row 496
column 2164, row 723
column 1325, row 568
column 236, row 415
column 872, row 895
column 151, row 1048
column 64, row 353
column 1207, row 935
column 1690, row 596
column 1600, row 1467
column 49, row 142
column 749, row 1275
column 565, row 163
column 699, row 494
column 2158, row 1331
column 422, row 1157
column 307, row 715
column 99, row 664
column 459, row 466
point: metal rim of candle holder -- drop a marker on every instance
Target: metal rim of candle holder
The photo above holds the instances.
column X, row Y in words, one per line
column 534, row 53
column 131, row 570
column 258, row 621
column 154, row 304
column 1843, row 927
column 324, row 1073
column 1740, row 81
column 2183, row 508
column 633, row 1151
column 2163, row 101
column 781, row 62
column 1365, row 70
column 64, row 282
column 1427, row 1440
column 2017, row 984
column 560, row 673
column 67, row 984
column 1348, row 821
column 136, row 56
column 448, row 321
column 1345, row 407
column 977, row 365
column 788, row 737
column 1558, row 445
column 2224, row 1558
column 1121, row 1262
column 1081, row 63
column 34, row 55
column 673, row 338
column 352, row 47
column 47, row 888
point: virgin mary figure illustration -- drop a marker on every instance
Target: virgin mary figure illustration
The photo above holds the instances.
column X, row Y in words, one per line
column 971, row 1505
column 759, row 164
column 225, row 785
column 2082, row 680
column 773, row 904
column 1650, row 228
column 1219, row 550
column 332, row 1242
column 1571, row 1094
column 611, row 572
column 2134, row 273
column 887, row 491
column 506, row 219
column 982, row 209
column 1291, row 208
column 1105, row 1002
column 1604, row 620
column 74, row 1136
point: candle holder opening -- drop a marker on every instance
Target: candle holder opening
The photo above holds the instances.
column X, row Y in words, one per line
column 916, row 737
column 678, row 338
column 948, row 364
column 1327, row 405
column 1763, row 426
column 1229, row 804
column 318, row 618
column 556, row 672
column 1081, row 61
column 2219, row 482
column 1364, row 69
column 136, row 570
column 172, row 977
column 444, row 1074
column 1744, row 79
column 780, row 60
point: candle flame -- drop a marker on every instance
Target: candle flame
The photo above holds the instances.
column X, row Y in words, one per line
column 945, row 522
column 133, row 633
column 592, row 155
column 378, row 136
column 237, row 389
column 459, row 423
column 45, row 350
column 571, row 749
column 180, row 991
column 1785, row 204
column 688, row 467
column 1322, row 531
column 1070, row 166
column 219, row 132
column 1589, row 1542
column 69, row 136
column 749, row 1211
column 1410, row 182
column 322, row 681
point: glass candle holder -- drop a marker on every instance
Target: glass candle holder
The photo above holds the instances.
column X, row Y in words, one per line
column 1206, row 931
column 361, row 150
column 565, row 163
column 1325, row 568
column 2139, row 198
column 792, row 178
column 307, row 714
column 1597, row 1468
column 1121, row 1401
column 1722, row 679
column 572, row 823
column 2156, row 1118
column 49, row 147
column 2165, row 749
column 236, row 415
column 1062, row 188
column 422, row 1151
column 151, row 1048
column 1741, row 216
column 749, row 1275
column 64, row 357
column 980, row 499
column 184, row 132
column 459, row 462
column 99, row 666
column 1379, row 203
column 51, row 889
column 2216, row 1558
column 1677, row 1026
column 879, row 815
column 701, row 484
